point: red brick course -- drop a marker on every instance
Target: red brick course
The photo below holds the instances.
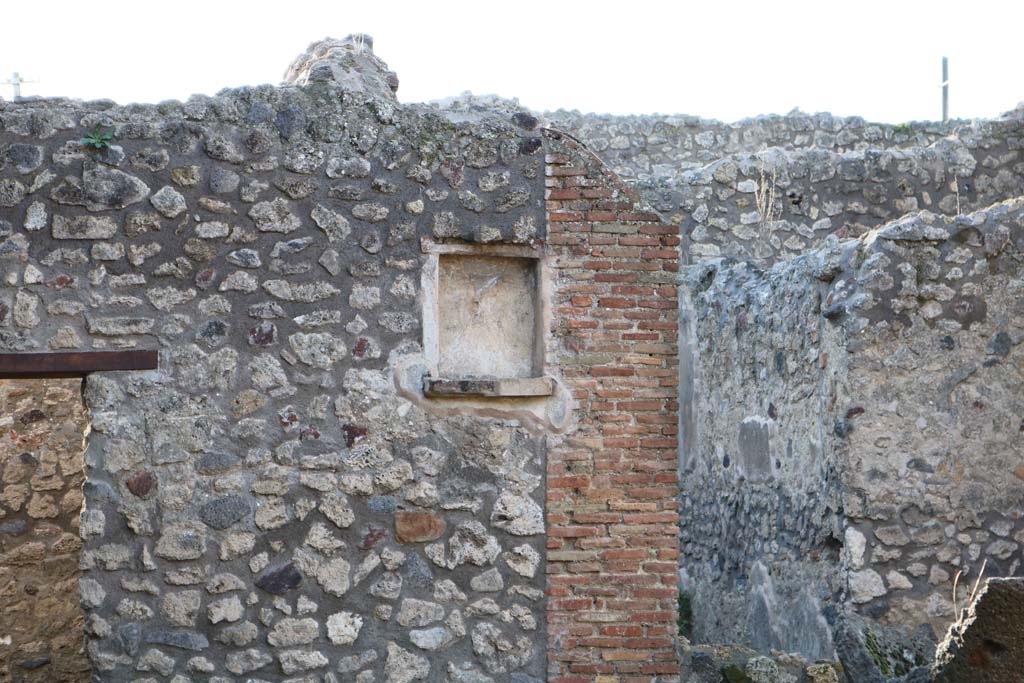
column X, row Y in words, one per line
column 612, row 482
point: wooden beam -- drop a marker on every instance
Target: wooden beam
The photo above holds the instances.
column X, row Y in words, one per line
column 73, row 364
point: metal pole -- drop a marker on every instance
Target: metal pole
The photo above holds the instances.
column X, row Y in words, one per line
column 16, row 81
column 945, row 89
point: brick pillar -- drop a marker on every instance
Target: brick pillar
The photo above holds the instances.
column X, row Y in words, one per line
column 612, row 482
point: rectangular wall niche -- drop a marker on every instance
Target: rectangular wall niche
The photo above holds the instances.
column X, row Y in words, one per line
column 483, row 327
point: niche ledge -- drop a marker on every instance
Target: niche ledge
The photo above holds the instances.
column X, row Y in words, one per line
column 441, row 387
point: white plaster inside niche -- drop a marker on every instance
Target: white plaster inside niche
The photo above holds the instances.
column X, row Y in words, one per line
column 484, row 311
column 486, row 316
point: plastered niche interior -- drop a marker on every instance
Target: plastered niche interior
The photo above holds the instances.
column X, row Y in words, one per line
column 486, row 316
column 43, row 424
column 486, row 319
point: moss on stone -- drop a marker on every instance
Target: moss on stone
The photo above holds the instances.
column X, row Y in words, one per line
column 733, row 673
column 685, row 618
column 875, row 650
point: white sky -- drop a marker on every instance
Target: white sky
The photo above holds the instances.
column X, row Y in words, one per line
column 717, row 59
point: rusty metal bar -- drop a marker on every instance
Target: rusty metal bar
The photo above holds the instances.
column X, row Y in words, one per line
column 73, row 364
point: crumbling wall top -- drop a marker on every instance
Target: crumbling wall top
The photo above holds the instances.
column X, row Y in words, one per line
column 350, row 63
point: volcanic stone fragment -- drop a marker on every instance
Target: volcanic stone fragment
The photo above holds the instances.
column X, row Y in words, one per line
column 223, row 512
column 83, row 228
column 274, row 216
column 279, row 580
column 184, row 640
column 169, row 202
column 33, row 664
column 403, row 666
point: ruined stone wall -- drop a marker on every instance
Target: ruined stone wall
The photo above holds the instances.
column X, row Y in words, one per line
column 760, row 466
column 656, row 147
column 875, row 384
column 933, row 483
column 774, row 205
column 280, row 499
column 42, row 440
column 612, row 483
column 307, row 489
column 773, row 187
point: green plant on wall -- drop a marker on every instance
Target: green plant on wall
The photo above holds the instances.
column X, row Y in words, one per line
column 97, row 139
column 685, row 621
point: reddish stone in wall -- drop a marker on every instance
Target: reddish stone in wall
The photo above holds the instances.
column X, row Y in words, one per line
column 141, row 484
column 418, row 527
column 353, row 433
